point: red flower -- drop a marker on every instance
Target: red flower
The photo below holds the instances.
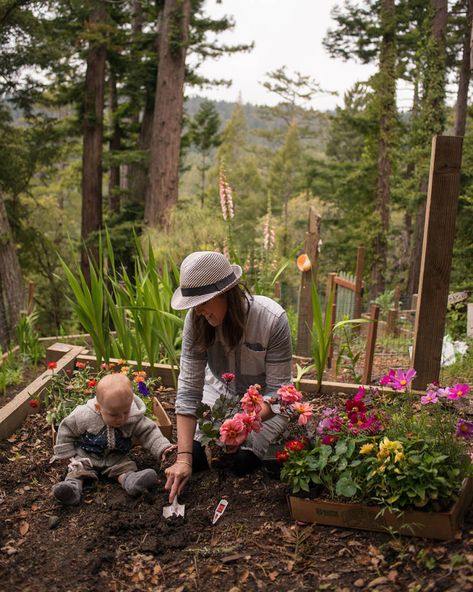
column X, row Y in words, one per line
column 228, row 377
column 91, row 383
column 52, row 365
column 329, row 439
column 353, row 406
column 68, row 371
column 282, row 456
column 80, row 365
column 295, row 445
column 34, row 403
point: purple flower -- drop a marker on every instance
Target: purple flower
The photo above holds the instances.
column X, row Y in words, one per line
column 430, row 397
column 464, row 429
column 143, row 389
column 457, row 391
column 398, row 379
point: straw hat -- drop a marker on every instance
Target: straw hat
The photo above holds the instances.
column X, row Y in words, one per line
column 204, row 275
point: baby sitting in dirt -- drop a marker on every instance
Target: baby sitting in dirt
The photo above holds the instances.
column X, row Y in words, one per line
column 97, row 437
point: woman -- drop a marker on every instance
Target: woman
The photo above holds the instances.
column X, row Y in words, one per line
column 226, row 330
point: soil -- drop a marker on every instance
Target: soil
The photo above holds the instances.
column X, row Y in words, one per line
column 114, row 543
column 29, row 373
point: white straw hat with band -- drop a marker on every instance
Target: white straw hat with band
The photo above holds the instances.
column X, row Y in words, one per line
column 204, row 275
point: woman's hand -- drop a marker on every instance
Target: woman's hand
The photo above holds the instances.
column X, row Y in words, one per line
column 177, row 475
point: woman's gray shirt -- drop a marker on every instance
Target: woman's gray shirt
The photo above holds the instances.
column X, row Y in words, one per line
column 263, row 357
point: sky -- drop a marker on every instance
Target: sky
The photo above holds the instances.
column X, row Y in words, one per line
column 285, row 33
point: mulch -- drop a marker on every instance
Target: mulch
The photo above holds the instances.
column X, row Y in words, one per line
column 114, row 543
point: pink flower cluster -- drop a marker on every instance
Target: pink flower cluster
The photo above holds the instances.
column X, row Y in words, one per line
column 226, row 200
column 435, row 392
column 291, row 403
column 398, row 379
column 234, row 431
column 355, row 419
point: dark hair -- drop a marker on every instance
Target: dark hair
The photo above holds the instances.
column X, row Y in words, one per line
column 233, row 325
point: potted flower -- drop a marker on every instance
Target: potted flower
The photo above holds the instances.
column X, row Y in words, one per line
column 401, row 460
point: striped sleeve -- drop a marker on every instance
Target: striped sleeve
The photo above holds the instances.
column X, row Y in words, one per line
column 279, row 356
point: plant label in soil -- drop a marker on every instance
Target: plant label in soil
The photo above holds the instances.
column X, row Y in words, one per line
column 222, row 504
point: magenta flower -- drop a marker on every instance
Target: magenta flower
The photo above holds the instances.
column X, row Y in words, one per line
column 430, row 397
column 360, row 393
column 457, row 391
column 464, row 429
column 398, row 379
column 228, row 377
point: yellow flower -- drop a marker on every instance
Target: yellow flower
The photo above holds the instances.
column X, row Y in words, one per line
column 125, row 369
column 399, row 456
column 387, row 446
column 366, row 448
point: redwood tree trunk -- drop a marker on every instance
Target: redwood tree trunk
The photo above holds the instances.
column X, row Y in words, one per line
column 167, row 122
column 92, row 143
column 464, row 78
column 11, row 284
column 386, row 88
column 114, row 145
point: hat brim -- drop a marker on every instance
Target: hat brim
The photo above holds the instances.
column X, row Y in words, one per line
column 180, row 302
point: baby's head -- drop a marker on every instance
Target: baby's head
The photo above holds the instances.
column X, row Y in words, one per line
column 114, row 395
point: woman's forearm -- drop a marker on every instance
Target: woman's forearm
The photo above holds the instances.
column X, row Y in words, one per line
column 185, row 432
column 266, row 412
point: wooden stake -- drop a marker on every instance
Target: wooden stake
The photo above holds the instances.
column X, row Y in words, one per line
column 305, row 317
column 437, row 249
column 370, row 344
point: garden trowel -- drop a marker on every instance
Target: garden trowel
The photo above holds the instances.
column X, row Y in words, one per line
column 175, row 509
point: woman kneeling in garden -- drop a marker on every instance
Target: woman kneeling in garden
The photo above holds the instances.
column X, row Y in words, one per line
column 231, row 340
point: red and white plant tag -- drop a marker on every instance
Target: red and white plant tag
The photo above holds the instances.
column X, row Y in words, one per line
column 220, row 509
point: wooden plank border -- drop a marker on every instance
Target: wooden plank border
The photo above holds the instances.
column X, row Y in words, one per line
column 14, row 412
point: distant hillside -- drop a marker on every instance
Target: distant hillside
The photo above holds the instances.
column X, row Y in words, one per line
column 256, row 121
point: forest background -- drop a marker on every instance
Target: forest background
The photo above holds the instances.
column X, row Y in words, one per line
column 101, row 127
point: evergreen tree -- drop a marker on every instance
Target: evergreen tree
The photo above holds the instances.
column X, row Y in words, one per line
column 204, row 135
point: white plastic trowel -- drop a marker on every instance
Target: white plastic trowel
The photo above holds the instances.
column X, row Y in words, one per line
column 175, row 509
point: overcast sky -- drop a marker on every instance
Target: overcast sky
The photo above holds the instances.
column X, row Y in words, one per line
column 286, row 33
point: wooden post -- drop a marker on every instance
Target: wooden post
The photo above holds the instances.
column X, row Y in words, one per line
column 469, row 319
column 360, row 264
column 391, row 322
column 414, row 302
column 305, row 317
column 437, row 248
column 333, row 320
column 397, row 297
column 370, row 344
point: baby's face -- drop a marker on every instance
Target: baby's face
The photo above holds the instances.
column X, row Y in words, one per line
column 114, row 414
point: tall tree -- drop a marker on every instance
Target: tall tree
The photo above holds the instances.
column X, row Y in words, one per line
column 94, row 95
column 464, row 71
column 167, row 121
column 11, row 283
column 385, row 85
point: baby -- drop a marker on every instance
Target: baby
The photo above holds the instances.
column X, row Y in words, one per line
column 97, row 437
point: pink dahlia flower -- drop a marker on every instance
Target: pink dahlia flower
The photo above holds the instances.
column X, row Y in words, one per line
column 232, row 432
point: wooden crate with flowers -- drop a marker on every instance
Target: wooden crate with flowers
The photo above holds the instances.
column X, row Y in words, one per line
column 387, row 459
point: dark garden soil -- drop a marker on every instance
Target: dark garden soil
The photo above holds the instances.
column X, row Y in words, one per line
column 114, row 543
column 29, row 373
